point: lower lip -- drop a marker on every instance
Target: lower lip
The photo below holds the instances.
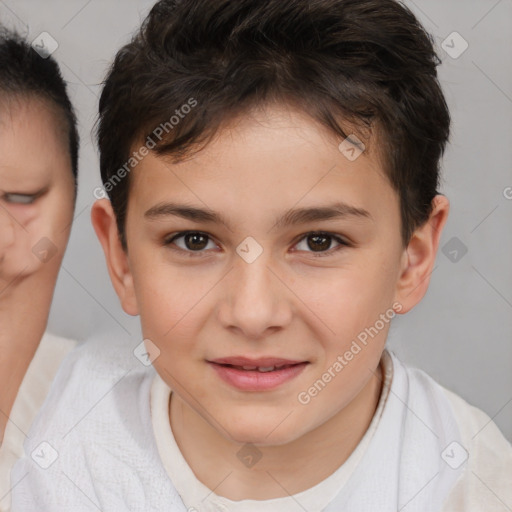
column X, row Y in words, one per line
column 254, row 380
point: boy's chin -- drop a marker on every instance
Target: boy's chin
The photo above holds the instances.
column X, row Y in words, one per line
column 262, row 433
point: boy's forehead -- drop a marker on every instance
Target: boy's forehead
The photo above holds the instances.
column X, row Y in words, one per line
column 272, row 132
column 279, row 157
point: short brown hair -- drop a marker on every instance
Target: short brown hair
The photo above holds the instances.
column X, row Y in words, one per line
column 366, row 62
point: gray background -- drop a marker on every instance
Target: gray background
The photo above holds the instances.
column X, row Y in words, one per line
column 461, row 332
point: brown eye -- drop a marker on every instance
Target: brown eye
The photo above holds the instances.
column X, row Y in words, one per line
column 189, row 241
column 195, row 241
column 320, row 243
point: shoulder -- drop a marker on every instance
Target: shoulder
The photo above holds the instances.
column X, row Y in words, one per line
column 38, row 378
column 91, row 374
column 31, row 395
column 92, row 428
column 34, row 388
column 487, row 481
column 49, row 355
column 42, row 369
column 476, row 450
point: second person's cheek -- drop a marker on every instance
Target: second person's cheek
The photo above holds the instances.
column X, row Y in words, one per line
column 18, row 257
column 38, row 237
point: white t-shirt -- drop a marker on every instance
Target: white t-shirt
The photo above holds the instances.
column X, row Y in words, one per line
column 197, row 497
column 102, row 441
column 482, row 487
column 30, row 397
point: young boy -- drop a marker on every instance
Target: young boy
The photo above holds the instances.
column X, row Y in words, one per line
column 272, row 169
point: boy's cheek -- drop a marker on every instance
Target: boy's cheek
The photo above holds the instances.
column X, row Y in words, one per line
column 333, row 312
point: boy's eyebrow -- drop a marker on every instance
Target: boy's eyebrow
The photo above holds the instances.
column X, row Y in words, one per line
column 293, row 216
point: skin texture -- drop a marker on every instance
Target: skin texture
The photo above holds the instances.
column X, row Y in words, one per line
column 33, row 237
column 288, row 303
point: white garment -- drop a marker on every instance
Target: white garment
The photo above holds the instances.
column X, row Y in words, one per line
column 30, row 397
column 95, row 437
column 487, row 481
column 197, row 497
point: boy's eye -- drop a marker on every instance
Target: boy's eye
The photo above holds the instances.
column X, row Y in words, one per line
column 321, row 243
column 193, row 241
column 196, row 241
column 20, row 198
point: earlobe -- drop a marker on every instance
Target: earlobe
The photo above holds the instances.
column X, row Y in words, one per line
column 104, row 223
column 419, row 257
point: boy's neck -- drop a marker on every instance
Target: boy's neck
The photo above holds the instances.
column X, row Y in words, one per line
column 297, row 466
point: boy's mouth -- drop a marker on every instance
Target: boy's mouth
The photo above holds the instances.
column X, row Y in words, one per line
column 257, row 374
column 259, row 368
column 267, row 363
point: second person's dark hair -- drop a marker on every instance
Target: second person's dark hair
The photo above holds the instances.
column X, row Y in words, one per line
column 23, row 72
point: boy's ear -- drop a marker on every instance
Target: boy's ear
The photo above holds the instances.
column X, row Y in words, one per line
column 419, row 257
column 104, row 223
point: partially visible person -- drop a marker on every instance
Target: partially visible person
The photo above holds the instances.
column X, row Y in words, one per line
column 38, row 186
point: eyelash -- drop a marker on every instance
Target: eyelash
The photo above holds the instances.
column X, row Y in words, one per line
column 169, row 240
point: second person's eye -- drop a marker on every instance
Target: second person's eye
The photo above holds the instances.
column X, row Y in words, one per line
column 20, row 198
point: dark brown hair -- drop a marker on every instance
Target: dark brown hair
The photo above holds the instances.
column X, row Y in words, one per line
column 368, row 63
column 24, row 73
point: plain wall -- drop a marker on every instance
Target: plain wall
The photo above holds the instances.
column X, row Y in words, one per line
column 461, row 333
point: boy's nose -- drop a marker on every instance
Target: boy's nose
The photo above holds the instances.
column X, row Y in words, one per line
column 254, row 298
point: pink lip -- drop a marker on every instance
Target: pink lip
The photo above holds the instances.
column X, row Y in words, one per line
column 261, row 362
column 254, row 380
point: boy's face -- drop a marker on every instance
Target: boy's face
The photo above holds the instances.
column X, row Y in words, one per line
column 261, row 286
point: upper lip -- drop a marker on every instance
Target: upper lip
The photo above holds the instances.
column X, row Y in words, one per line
column 264, row 362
